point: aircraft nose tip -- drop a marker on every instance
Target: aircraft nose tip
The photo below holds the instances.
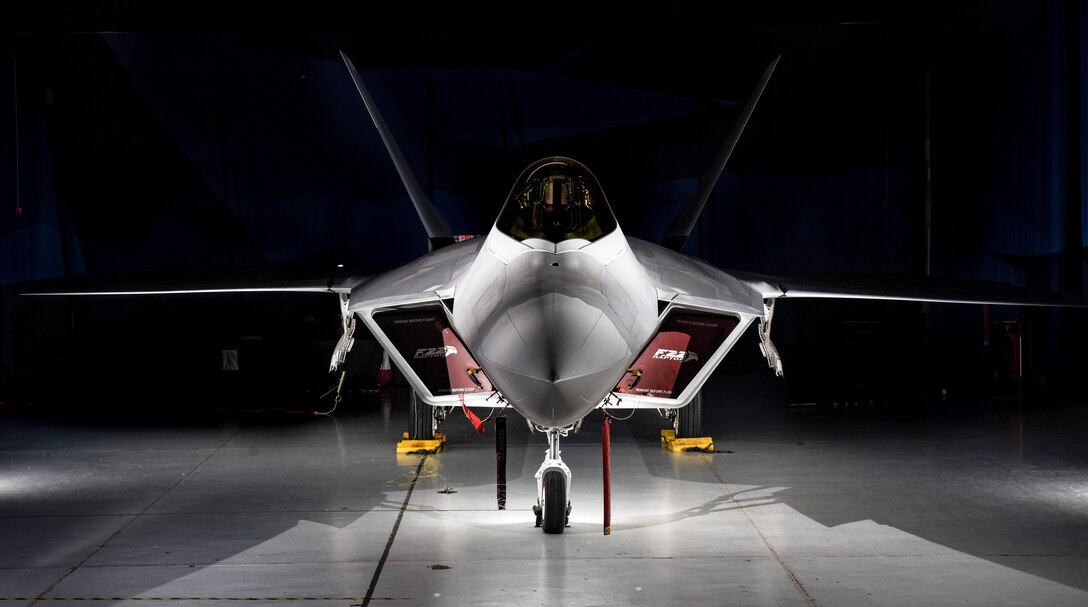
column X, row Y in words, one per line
column 555, row 356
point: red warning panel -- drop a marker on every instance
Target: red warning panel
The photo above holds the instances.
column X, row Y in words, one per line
column 461, row 367
column 424, row 338
column 683, row 344
column 655, row 371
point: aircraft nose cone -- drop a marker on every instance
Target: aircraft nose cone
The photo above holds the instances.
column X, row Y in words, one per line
column 555, row 356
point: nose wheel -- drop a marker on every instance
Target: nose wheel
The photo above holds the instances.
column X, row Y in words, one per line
column 552, row 507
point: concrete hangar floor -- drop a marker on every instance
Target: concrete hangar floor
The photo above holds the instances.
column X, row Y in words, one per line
column 976, row 502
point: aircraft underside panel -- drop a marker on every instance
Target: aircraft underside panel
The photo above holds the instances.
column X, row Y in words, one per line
column 433, row 352
column 682, row 346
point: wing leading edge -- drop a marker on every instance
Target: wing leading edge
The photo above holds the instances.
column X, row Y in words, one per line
column 199, row 280
column 903, row 288
column 686, row 284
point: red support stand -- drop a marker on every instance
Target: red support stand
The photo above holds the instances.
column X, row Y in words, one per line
column 500, row 461
column 607, row 461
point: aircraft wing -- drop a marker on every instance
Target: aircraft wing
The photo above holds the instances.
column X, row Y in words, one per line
column 680, row 278
column 705, row 309
column 408, row 310
column 902, row 288
column 200, row 280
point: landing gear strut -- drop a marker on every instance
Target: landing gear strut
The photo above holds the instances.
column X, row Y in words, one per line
column 552, row 507
column 689, row 418
column 423, row 419
column 420, row 418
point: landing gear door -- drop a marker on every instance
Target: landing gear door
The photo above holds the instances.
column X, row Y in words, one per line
column 426, row 342
column 682, row 346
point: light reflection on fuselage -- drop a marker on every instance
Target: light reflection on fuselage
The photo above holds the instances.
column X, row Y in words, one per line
column 556, row 346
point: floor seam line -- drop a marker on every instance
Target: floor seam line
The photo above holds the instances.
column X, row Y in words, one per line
column 763, row 538
column 392, row 535
column 131, row 520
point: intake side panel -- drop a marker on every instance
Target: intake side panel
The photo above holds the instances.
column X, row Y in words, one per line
column 424, row 339
column 681, row 347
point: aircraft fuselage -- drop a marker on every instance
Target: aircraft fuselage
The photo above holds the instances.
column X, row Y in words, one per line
column 554, row 326
column 552, row 309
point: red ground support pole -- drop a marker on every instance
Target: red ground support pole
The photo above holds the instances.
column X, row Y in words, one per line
column 607, row 461
column 500, row 461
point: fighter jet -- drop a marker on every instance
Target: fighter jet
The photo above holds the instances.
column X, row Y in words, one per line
column 557, row 313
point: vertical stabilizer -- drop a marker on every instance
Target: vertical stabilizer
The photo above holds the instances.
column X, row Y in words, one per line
column 678, row 231
column 438, row 230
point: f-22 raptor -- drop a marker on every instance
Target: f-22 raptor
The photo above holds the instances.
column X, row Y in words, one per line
column 556, row 312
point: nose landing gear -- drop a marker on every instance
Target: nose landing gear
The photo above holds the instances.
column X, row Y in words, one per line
column 552, row 507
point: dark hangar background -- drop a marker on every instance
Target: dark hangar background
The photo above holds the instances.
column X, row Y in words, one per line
column 163, row 137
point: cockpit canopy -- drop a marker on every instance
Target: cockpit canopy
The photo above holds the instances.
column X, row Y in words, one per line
column 556, row 199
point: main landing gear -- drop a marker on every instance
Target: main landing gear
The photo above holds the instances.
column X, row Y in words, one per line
column 552, row 507
column 424, row 419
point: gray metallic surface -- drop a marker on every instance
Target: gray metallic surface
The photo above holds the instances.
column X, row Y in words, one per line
column 422, row 278
column 557, row 345
column 436, row 225
column 553, row 326
column 893, row 287
column 686, row 279
column 554, row 356
column 678, row 231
